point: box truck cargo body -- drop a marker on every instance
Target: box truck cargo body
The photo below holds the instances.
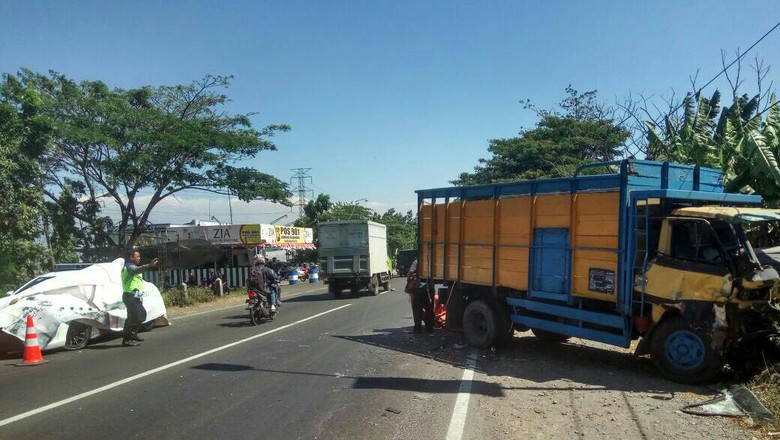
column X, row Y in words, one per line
column 353, row 255
column 645, row 250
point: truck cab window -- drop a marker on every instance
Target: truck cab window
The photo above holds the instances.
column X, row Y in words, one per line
column 695, row 241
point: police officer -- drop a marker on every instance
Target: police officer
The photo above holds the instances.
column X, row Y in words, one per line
column 133, row 290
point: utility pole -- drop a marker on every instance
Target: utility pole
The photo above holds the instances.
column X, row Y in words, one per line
column 302, row 176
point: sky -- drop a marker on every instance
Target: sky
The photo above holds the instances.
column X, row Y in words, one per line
column 386, row 97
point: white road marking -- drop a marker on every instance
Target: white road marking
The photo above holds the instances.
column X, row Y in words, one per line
column 459, row 413
column 156, row 370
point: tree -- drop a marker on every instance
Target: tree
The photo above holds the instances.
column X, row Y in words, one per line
column 314, row 211
column 125, row 146
column 559, row 143
column 401, row 230
column 24, row 137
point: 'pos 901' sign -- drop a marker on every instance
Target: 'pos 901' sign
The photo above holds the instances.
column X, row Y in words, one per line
column 289, row 234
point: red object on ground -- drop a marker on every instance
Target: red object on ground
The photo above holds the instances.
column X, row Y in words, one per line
column 439, row 312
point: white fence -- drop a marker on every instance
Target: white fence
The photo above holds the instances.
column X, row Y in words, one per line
column 236, row 276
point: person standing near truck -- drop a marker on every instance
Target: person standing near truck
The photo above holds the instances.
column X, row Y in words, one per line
column 422, row 309
column 132, row 294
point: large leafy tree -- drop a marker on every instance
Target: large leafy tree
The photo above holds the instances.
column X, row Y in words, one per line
column 581, row 132
column 134, row 148
column 401, row 230
column 24, row 137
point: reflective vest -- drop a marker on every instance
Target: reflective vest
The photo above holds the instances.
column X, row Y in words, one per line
column 132, row 282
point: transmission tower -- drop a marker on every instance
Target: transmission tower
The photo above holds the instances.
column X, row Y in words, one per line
column 303, row 177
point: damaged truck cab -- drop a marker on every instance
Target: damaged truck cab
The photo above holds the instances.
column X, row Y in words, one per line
column 708, row 286
column 621, row 251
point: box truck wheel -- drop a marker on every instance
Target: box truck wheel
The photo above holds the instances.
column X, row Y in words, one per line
column 683, row 355
column 375, row 285
column 480, row 324
column 335, row 288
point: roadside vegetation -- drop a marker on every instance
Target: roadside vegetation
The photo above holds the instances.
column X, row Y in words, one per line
column 766, row 386
column 174, row 296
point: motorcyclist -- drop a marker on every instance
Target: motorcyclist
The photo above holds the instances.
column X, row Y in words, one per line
column 271, row 280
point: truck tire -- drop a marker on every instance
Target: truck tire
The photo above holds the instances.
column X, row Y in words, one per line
column 505, row 330
column 335, row 289
column 548, row 336
column 375, row 286
column 682, row 354
column 77, row 336
column 480, row 324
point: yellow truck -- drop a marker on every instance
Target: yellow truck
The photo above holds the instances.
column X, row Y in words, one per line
column 617, row 252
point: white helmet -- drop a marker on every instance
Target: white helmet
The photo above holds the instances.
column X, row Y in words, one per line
column 259, row 259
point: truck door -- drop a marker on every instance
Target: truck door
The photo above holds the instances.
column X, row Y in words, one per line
column 691, row 264
column 550, row 264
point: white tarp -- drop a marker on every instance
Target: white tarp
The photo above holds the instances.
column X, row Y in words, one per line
column 92, row 296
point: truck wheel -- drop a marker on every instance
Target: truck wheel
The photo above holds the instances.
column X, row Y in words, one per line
column 335, row 289
column 505, row 330
column 77, row 336
column 375, row 287
column 386, row 286
column 480, row 324
column 683, row 355
column 548, row 336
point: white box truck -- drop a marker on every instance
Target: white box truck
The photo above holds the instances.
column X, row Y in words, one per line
column 353, row 255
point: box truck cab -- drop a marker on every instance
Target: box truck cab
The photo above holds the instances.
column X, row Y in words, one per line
column 643, row 250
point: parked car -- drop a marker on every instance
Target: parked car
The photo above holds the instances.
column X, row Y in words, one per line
column 69, row 308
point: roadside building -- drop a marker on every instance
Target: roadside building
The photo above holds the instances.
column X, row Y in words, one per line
column 200, row 247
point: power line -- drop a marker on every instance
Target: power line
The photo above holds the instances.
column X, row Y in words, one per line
column 736, row 60
column 740, row 56
column 302, row 175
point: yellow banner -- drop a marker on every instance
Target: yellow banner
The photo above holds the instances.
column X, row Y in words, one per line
column 289, row 234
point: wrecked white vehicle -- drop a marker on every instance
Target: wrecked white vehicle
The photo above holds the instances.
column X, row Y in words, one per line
column 70, row 308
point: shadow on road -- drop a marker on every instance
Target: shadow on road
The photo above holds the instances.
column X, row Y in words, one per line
column 444, row 386
column 536, row 361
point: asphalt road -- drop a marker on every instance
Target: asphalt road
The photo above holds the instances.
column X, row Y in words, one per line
column 324, row 369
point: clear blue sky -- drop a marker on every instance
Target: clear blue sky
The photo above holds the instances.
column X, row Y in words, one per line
column 385, row 97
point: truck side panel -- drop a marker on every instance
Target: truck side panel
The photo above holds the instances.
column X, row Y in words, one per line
column 377, row 239
column 473, row 230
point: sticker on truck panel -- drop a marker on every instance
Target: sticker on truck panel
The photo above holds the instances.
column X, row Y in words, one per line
column 601, row 280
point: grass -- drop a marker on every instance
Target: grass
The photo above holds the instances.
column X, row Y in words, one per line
column 766, row 386
column 174, row 297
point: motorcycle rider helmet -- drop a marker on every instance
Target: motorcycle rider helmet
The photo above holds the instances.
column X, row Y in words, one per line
column 259, row 259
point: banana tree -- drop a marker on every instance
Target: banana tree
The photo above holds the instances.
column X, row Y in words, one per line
column 741, row 144
column 689, row 138
column 751, row 151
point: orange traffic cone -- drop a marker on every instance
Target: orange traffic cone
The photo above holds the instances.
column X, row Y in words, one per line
column 32, row 352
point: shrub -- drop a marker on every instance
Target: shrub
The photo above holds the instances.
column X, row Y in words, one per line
column 174, row 296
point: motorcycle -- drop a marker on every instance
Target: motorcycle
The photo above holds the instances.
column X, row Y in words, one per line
column 259, row 309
